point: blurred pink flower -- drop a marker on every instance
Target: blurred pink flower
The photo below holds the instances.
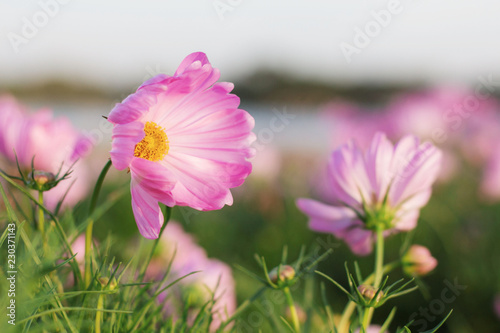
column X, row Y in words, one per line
column 496, row 305
column 385, row 185
column 350, row 122
column 440, row 114
column 480, row 139
column 418, row 261
column 490, row 184
column 213, row 276
column 184, row 141
column 371, row 329
column 78, row 248
column 266, row 164
column 53, row 141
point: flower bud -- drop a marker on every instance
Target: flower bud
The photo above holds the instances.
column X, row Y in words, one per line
column 369, row 292
column 287, row 273
column 104, row 281
column 41, row 180
column 418, row 261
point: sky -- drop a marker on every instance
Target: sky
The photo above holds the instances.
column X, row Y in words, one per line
column 113, row 42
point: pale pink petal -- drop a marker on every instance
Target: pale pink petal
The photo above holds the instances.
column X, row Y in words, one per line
column 418, row 174
column 326, row 218
column 348, row 175
column 378, row 164
column 406, row 220
column 359, row 240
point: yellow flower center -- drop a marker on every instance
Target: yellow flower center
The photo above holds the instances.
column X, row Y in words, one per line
column 154, row 146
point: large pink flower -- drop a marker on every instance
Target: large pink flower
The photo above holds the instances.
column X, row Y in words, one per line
column 184, row 141
column 386, row 185
column 213, row 276
column 54, row 142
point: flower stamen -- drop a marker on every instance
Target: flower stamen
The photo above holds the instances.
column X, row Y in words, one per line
column 154, row 147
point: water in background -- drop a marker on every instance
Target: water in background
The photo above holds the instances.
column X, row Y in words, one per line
column 284, row 127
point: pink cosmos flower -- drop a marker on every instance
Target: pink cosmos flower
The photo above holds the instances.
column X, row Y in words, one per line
column 418, row 261
column 184, row 141
column 214, row 276
column 384, row 186
column 53, row 141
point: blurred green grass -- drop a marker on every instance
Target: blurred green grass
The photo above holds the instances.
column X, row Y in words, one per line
column 460, row 230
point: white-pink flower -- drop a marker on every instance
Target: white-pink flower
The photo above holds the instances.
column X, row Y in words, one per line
column 383, row 187
column 184, row 141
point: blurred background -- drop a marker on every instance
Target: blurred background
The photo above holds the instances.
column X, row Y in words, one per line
column 328, row 72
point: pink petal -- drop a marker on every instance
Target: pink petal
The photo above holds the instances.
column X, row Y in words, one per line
column 124, row 139
column 359, row 240
column 189, row 60
column 378, row 163
column 132, row 108
column 417, row 174
column 178, row 110
column 348, row 176
column 147, row 213
column 154, row 179
column 339, row 221
column 200, row 185
column 326, row 218
column 406, row 220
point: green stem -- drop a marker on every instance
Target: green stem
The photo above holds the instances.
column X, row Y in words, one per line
column 168, row 213
column 344, row 324
column 379, row 271
column 98, row 186
column 88, row 257
column 88, row 233
column 98, row 315
column 293, row 310
column 367, row 317
column 41, row 219
column 379, row 261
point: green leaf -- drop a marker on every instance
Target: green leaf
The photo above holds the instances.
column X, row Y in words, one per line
column 287, row 324
column 388, row 321
column 440, row 324
column 335, row 283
